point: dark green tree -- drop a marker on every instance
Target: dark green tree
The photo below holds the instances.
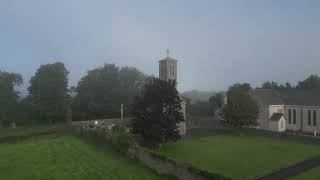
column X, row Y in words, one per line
column 270, row 85
column 49, row 94
column 9, row 96
column 312, row 82
column 275, row 85
column 241, row 109
column 157, row 111
column 200, row 108
column 100, row 93
column 216, row 101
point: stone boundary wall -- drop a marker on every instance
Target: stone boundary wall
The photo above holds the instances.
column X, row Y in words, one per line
column 303, row 138
column 166, row 166
column 25, row 136
column 101, row 122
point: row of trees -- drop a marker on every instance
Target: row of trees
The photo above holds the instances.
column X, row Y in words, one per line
column 97, row 95
column 311, row 82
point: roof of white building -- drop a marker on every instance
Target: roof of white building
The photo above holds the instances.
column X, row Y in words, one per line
column 286, row 97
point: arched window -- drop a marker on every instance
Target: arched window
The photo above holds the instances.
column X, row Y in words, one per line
column 294, row 116
column 290, row 117
column 314, row 118
column 309, row 117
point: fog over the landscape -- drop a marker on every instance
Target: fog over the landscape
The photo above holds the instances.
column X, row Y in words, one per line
column 217, row 43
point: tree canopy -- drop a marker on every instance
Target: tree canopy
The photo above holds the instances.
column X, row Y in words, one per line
column 241, row 110
column 8, row 96
column 216, row 101
column 100, row 93
column 311, row 82
column 157, row 111
column 275, row 85
column 48, row 93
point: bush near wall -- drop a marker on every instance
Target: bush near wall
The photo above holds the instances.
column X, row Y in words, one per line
column 117, row 136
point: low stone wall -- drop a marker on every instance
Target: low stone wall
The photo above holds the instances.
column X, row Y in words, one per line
column 166, row 166
column 100, row 121
column 28, row 135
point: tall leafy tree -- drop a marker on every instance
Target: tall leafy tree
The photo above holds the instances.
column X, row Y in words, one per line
column 312, row 82
column 48, row 92
column 216, row 101
column 8, row 96
column 157, row 111
column 101, row 92
column 241, row 109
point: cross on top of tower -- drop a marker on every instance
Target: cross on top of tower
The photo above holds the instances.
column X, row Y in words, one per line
column 168, row 52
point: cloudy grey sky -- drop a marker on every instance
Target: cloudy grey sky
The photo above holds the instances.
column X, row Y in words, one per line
column 216, row 42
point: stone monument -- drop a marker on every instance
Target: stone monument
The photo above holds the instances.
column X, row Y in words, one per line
column 168, row 71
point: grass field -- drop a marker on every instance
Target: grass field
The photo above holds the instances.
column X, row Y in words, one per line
column 66, row 158
column 313, row 174
column 239, row 157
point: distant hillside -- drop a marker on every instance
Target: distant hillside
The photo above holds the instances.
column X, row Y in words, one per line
column 196, row 95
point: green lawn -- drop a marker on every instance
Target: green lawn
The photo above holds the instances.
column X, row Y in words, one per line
column 66, row 158
column 239, row 157
column 20, row 130
column 313, row 174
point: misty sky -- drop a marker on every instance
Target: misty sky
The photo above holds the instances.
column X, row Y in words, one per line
column 217, row 43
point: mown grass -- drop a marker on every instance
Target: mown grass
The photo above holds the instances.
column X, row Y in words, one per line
column 239, row 157
column 312, row 174
column 66, row 158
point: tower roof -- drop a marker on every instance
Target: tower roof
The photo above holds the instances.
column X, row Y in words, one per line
column 168, row 59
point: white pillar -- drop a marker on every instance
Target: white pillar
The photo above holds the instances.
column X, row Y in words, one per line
column 121, row 111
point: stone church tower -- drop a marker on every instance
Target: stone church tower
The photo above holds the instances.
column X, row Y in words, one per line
column 168, row 71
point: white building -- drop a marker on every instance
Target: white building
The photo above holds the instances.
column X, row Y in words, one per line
column 294, row 110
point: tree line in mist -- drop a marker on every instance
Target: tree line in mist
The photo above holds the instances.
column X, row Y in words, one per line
column 98, row 94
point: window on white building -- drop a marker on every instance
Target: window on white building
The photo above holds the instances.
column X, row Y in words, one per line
column 309, row 117
column 290, row 116
column 294, row 117
column 314, row 122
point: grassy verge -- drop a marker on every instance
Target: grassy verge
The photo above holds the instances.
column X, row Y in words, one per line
column 239, row 157
column 64, row 158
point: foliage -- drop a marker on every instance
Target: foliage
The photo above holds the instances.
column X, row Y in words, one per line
column 312, row 82
column 241, row 110
column 157, row 111
column 101, row 92
column 200, row 108
column 275, row 85
column 48, row 93
column 9, row 96
column 196, row 95
column 216, row 101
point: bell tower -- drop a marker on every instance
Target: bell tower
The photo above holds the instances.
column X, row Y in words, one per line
column 168, row 71
column 168, row 68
